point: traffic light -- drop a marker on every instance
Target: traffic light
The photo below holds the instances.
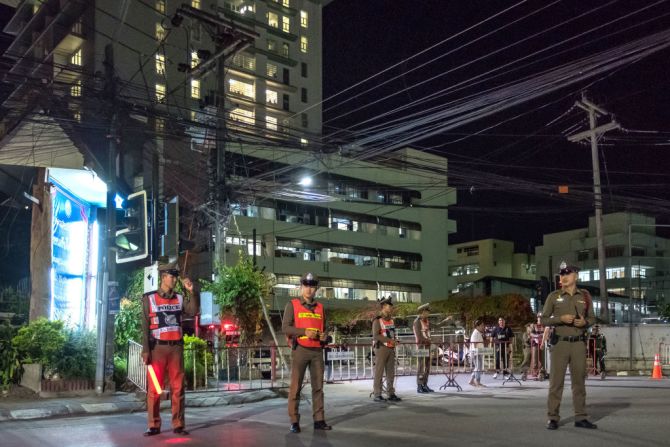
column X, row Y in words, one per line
column 132, row 238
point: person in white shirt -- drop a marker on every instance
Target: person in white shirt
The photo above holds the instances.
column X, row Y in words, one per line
column 477, row 342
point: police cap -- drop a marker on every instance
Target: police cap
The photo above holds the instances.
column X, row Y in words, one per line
column 565, row 269
column 386, row 300
column 309, row 279
column 169, row 267
column 423, row 307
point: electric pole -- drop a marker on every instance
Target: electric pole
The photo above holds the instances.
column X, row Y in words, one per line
column 593, row 134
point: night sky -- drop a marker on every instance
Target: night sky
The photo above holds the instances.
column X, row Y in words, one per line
column 508, row 166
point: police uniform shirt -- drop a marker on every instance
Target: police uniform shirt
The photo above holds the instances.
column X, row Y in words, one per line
column 560, row 302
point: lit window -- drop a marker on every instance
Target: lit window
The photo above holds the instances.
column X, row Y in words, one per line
column 272, row 45
column 271, row 71
column 271, row 122
column 160, row 92
column 36, row 7
column 271, row 97
column 286, row 24
column 160, row 64
column 195, row 4
column 160, row 6
column 303, row 19
column 241, row 88
column 615, row 272
column 75, row 89
column 77, row 116
column 303, row 141
column 242, row 115
column 286, row 3
column 75, row 59
column 285, row 49
column 246, row 8
column 303, row 44
column 160, row 32
column 273, row 19
column 160, row 125
column 77, row 27
column 195, row 88
column 585, row 276
column 194, row 59
column 245, row 61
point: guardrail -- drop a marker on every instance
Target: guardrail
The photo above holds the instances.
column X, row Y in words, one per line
column 246, row 368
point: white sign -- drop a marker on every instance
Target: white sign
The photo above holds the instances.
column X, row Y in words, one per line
column 422, row 353
column 340, row 355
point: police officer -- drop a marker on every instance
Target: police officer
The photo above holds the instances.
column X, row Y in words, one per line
column 304, row 322
column 501, row 337
column 421, row 328
column 570, row 311
column 163, row 344
column 384, row 338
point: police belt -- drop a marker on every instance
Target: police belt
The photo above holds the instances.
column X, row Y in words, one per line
column 170, row 342
column 573, row 338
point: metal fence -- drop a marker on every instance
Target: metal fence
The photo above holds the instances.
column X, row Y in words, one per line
column 664, row 351
column 247, row 368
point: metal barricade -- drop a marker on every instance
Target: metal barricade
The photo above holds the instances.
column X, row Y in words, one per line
column 137, row 370
column 664, row 352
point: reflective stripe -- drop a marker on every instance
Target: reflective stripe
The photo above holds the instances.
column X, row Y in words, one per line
column 388, row 329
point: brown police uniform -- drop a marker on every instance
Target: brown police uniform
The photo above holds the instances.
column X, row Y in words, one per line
column 383, row 333
column 162, row 315
column 421, row 330
column 303, row 357
column 569, row 351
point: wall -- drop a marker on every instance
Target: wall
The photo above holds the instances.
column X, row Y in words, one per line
column 646, row 340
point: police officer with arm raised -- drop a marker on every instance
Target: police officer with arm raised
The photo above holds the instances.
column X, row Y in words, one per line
column 570, row 311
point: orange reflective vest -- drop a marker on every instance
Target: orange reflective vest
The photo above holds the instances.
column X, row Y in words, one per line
column 308, row 319
column 165, row 316
column 388, row 330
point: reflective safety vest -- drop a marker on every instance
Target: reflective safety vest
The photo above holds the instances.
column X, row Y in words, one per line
column 308, row 319
column 165, row 316
column 388, row 330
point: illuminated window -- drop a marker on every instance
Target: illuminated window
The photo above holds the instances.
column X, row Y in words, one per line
column 271, row 122
column 241, row 88
column 195, row 88
column 160, row 92
column 272, row 45
column 160, row 32
column 615, row 272
column 245, row 61
column 242, row 115
column 75, row 89
column 585, row 276
column 286, row 3
column 75, row 59
column 194, row 59
column 303, row 19
column 195, row 4
column 303, row 44
column 160, row 125
column 286, row 24
column 160, row 6
column 77, row 27
column 246, row 8
column 77, row 116
column 284, row 49
column 304, row 142
column 271, row 97
column 160, row 64
column 273, row 19
column 36, row 7
column 271, row 71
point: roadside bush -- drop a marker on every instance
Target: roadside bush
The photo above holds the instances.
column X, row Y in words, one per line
column 198, row 347
column 9, row 359
column 41, row 341
column 78, row 356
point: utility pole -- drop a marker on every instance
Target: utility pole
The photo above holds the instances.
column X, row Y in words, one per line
column 593, row 134
column 110, row 286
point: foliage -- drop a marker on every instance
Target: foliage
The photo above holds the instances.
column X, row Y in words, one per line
column 238, row 291
column 9, row 359
column 664, row 308
column 120, row 371
column 41, row 341
column 127, row 324
column 198, row 347
column 78, row 355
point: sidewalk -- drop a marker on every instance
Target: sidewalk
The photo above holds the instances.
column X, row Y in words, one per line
column 41, row 408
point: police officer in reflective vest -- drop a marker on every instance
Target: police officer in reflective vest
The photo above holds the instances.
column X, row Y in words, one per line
column 421, row 328
column 163, row 344
column 304, row 322
column 384, row 338
column 570, row 311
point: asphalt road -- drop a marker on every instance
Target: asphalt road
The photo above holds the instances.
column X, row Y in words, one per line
column 628, row 411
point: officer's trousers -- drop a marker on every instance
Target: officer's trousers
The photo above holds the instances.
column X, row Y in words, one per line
column 384, row 361
column 423, row 371
column 167, row 361
column 301, row 359
column 566, row 353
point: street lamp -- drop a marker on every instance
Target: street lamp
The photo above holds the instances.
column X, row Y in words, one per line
column 305, row 181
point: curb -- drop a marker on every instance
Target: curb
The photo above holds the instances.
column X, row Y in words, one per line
column 130, row 406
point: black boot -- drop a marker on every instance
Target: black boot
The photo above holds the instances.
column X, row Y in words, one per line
column 420, row 389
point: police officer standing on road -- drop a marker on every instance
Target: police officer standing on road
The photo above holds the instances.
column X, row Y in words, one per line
column 570, row 311
column 421, row 328
column 502, row 336
column 304, row 322
column 163, row 345
column 384, row 338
